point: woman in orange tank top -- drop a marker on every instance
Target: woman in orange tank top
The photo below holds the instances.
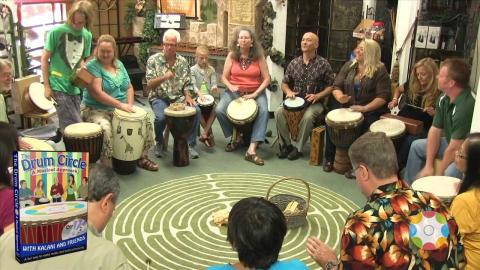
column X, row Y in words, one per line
column 246, row 75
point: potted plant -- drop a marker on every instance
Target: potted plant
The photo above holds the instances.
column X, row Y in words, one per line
column 135, row 16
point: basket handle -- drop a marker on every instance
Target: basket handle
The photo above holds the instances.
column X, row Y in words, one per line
column 291, row 178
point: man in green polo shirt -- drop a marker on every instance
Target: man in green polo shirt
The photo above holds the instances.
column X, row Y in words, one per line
column 453, row 118
column 66, row 47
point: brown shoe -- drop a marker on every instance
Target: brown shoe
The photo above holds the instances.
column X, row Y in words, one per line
column 254, row 159
column 147, row 164
column 328, row 166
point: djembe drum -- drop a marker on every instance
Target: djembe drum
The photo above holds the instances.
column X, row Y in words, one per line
column 444, row 187
column 393, row 128
column 52, row 222
column 35, row 99
column 206, row 105
column 344, row 127
column 37, row 145
column 241, row 113
column 180, row 123
column 84, row 137
column 293, row 110
column 129, row 134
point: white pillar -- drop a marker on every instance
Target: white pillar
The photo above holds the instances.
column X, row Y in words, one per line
column 371, row 5
column 406, row 14
column 475, row 84
column 276, row 71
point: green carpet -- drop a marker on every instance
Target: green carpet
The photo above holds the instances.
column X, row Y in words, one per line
column 170, row 223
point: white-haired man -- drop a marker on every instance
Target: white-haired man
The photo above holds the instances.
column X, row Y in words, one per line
column 168, row 78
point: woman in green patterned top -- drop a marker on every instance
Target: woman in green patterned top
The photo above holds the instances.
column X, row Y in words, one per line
column 111, row 89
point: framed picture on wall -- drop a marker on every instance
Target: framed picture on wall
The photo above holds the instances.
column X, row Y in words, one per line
column 188, row 7
column 421, row 36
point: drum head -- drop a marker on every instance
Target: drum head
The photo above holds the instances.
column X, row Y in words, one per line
column 53, row 211
column 188, row 111
column 206, row 100
column 391, row 127
column 138, row 114
column 242, row 109
column 37, row 145
column 82, row 130
column 36, row 92
column 344, row 115
column 444, row 187
column 294, row 103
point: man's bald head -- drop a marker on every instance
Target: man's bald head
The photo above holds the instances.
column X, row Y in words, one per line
column 309, row 42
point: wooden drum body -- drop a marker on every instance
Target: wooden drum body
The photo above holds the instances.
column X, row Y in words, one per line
column 35, row 99
column 293, row 110
column 206, row 104
column 52, row 222
column 180, row 124
column 84, row 137
column 344, row 127
column 241, row 113
column 129, row 134
column 444, row 187
column 393, row 128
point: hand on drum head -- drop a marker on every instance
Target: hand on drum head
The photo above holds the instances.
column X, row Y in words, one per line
column 23, row 144
column 358, row 108
column 189, row 101
column 291, row 94
column 426, row 171
column 344, row 99
column 249, row 96
column 126, row 107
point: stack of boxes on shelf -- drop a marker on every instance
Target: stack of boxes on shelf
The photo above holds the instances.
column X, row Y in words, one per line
column 203, row 34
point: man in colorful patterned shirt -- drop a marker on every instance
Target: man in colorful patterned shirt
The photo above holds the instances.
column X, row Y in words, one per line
column 168, row 78
column 398, row 228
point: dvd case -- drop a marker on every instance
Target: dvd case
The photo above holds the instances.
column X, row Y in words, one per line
column 50, row 203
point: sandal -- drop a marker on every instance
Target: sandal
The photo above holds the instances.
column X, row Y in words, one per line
column 254, row 159
column 211, row 140
column 147, row 164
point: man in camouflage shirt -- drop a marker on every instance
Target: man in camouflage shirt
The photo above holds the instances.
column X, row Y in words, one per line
column 398, row 228
column 168, row 78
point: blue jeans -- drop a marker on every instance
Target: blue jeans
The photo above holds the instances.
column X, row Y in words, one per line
column 260, row 123
column 418, row 155
column 158, row 107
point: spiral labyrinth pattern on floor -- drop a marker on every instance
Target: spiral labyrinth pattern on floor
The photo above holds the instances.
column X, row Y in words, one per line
column 169, row 225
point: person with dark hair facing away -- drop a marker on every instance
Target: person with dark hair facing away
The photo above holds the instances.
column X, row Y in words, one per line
column 466, row 205
column 453, row 118
column 398, row 228
column 103, row 192
column 256, row 228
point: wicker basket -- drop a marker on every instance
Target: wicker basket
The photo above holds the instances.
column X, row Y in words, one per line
column 281, row 200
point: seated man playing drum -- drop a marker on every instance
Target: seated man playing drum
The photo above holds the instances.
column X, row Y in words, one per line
column 111, row 89
column 307, row 79
column 204, row 81
column 363, row 85
column 169, row 81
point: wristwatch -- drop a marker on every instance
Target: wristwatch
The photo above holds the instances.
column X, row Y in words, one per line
column 331, row 265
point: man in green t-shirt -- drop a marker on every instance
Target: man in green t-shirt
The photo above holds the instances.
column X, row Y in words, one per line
column 453, row 118
column 66, row 47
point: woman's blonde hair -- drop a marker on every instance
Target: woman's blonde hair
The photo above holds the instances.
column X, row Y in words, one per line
column 84, row 7
column 371, row 57
column 109, row 39
column 430, row 92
